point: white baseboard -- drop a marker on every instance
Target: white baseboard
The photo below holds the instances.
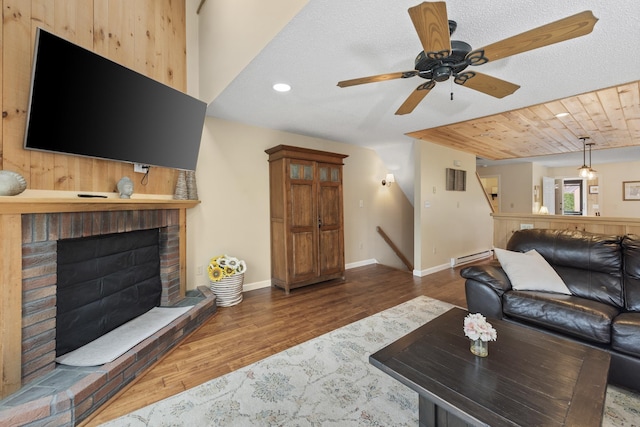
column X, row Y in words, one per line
column 256, row 285
column 267, row 283
column 426, row 272
column 361, row 263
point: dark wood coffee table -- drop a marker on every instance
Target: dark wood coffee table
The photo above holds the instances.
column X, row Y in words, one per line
column 529, row 378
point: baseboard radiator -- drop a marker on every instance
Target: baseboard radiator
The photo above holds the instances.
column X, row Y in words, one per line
column 471, row 258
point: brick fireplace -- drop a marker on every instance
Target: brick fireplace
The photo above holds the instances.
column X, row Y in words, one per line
column 40, row 234
column 31, row 230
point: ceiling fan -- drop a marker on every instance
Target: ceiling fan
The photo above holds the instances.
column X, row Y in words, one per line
column 443, row 58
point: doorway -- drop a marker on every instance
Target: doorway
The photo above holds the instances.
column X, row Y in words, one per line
column 564, row 196
column 491, row 186
column 572, row 197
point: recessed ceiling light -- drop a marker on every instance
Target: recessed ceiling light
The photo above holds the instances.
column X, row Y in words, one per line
column 281, row 87
column 562, row 115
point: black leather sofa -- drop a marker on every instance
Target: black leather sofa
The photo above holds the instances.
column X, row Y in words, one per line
column 603, row 274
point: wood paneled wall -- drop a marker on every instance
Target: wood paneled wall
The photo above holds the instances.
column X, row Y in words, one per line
column 148, row 36
column 505, row 224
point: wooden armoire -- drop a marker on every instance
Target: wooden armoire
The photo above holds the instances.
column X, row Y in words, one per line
column 307, row 225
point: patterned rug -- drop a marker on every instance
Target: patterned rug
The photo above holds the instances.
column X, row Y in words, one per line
column 326, row 381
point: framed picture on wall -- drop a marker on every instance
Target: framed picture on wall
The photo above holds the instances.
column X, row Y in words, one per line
column 631, row 190
column 593, row 189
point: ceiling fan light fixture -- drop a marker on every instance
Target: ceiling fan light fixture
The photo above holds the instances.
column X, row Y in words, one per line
column 441, row 74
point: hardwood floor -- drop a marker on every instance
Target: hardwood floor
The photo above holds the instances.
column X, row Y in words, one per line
column 267, row 321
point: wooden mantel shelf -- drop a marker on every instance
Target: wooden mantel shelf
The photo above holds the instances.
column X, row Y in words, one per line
column 20, row 205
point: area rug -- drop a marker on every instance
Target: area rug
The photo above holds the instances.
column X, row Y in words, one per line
column 326, row 381
column 114, row 344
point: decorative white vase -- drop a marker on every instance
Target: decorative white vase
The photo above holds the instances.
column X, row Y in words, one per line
column 181, row 192
column 11, row 183
column 228, row 290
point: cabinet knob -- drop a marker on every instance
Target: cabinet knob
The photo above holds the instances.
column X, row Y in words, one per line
column 319, row 222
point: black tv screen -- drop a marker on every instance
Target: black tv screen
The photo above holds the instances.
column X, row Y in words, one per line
column 84, row 104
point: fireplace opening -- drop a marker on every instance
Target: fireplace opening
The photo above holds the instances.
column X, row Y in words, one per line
column 103, row 282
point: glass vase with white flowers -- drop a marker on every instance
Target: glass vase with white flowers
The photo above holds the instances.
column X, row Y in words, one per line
column 480, row 332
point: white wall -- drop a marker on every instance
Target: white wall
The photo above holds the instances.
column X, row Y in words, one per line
column 516, row 186
column 448, row 224
column 233, row 216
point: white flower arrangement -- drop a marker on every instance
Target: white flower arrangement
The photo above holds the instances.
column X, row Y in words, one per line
column 225, row 266
column 476, row 327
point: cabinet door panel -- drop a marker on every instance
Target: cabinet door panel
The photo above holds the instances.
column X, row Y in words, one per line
column 303, row 256
column 301, row 202
column 329, row 206
column 331, row 252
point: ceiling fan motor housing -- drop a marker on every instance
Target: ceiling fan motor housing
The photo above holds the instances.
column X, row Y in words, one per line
column 433, row 67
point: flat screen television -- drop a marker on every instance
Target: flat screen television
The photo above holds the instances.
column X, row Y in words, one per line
column 84, row 104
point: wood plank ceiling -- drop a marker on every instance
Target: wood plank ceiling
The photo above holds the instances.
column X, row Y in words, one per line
column 610, row 117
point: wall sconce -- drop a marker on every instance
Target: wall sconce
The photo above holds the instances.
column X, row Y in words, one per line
column 388, row 180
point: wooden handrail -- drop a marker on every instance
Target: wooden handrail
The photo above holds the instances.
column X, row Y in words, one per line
column 395, row 249
column 486, row 195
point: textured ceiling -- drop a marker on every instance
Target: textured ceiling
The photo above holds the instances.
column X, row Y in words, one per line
column 334, row 40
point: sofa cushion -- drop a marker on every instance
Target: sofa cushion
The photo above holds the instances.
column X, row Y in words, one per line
column 625, row 335
column 631, row 251
column 589, row 264
column 574, row 316
column 529, row 271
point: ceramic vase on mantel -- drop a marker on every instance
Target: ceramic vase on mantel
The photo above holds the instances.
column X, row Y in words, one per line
column 479, row 348
column 228, row 290
column 192, row 188
column 181, row 192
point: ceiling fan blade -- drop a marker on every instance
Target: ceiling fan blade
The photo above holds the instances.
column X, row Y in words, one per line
column 431, row 24
column 378, row 78
column 487, row 84
column 414, row 99
column 564, row 29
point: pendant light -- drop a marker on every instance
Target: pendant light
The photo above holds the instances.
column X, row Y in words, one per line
column 583, row 170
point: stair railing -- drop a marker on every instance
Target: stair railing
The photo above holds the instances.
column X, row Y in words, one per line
column 395, row 249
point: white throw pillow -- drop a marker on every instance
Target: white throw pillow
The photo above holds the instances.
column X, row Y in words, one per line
column 529, row 271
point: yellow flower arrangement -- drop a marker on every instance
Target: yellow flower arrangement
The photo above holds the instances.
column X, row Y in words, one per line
column 225, row 266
